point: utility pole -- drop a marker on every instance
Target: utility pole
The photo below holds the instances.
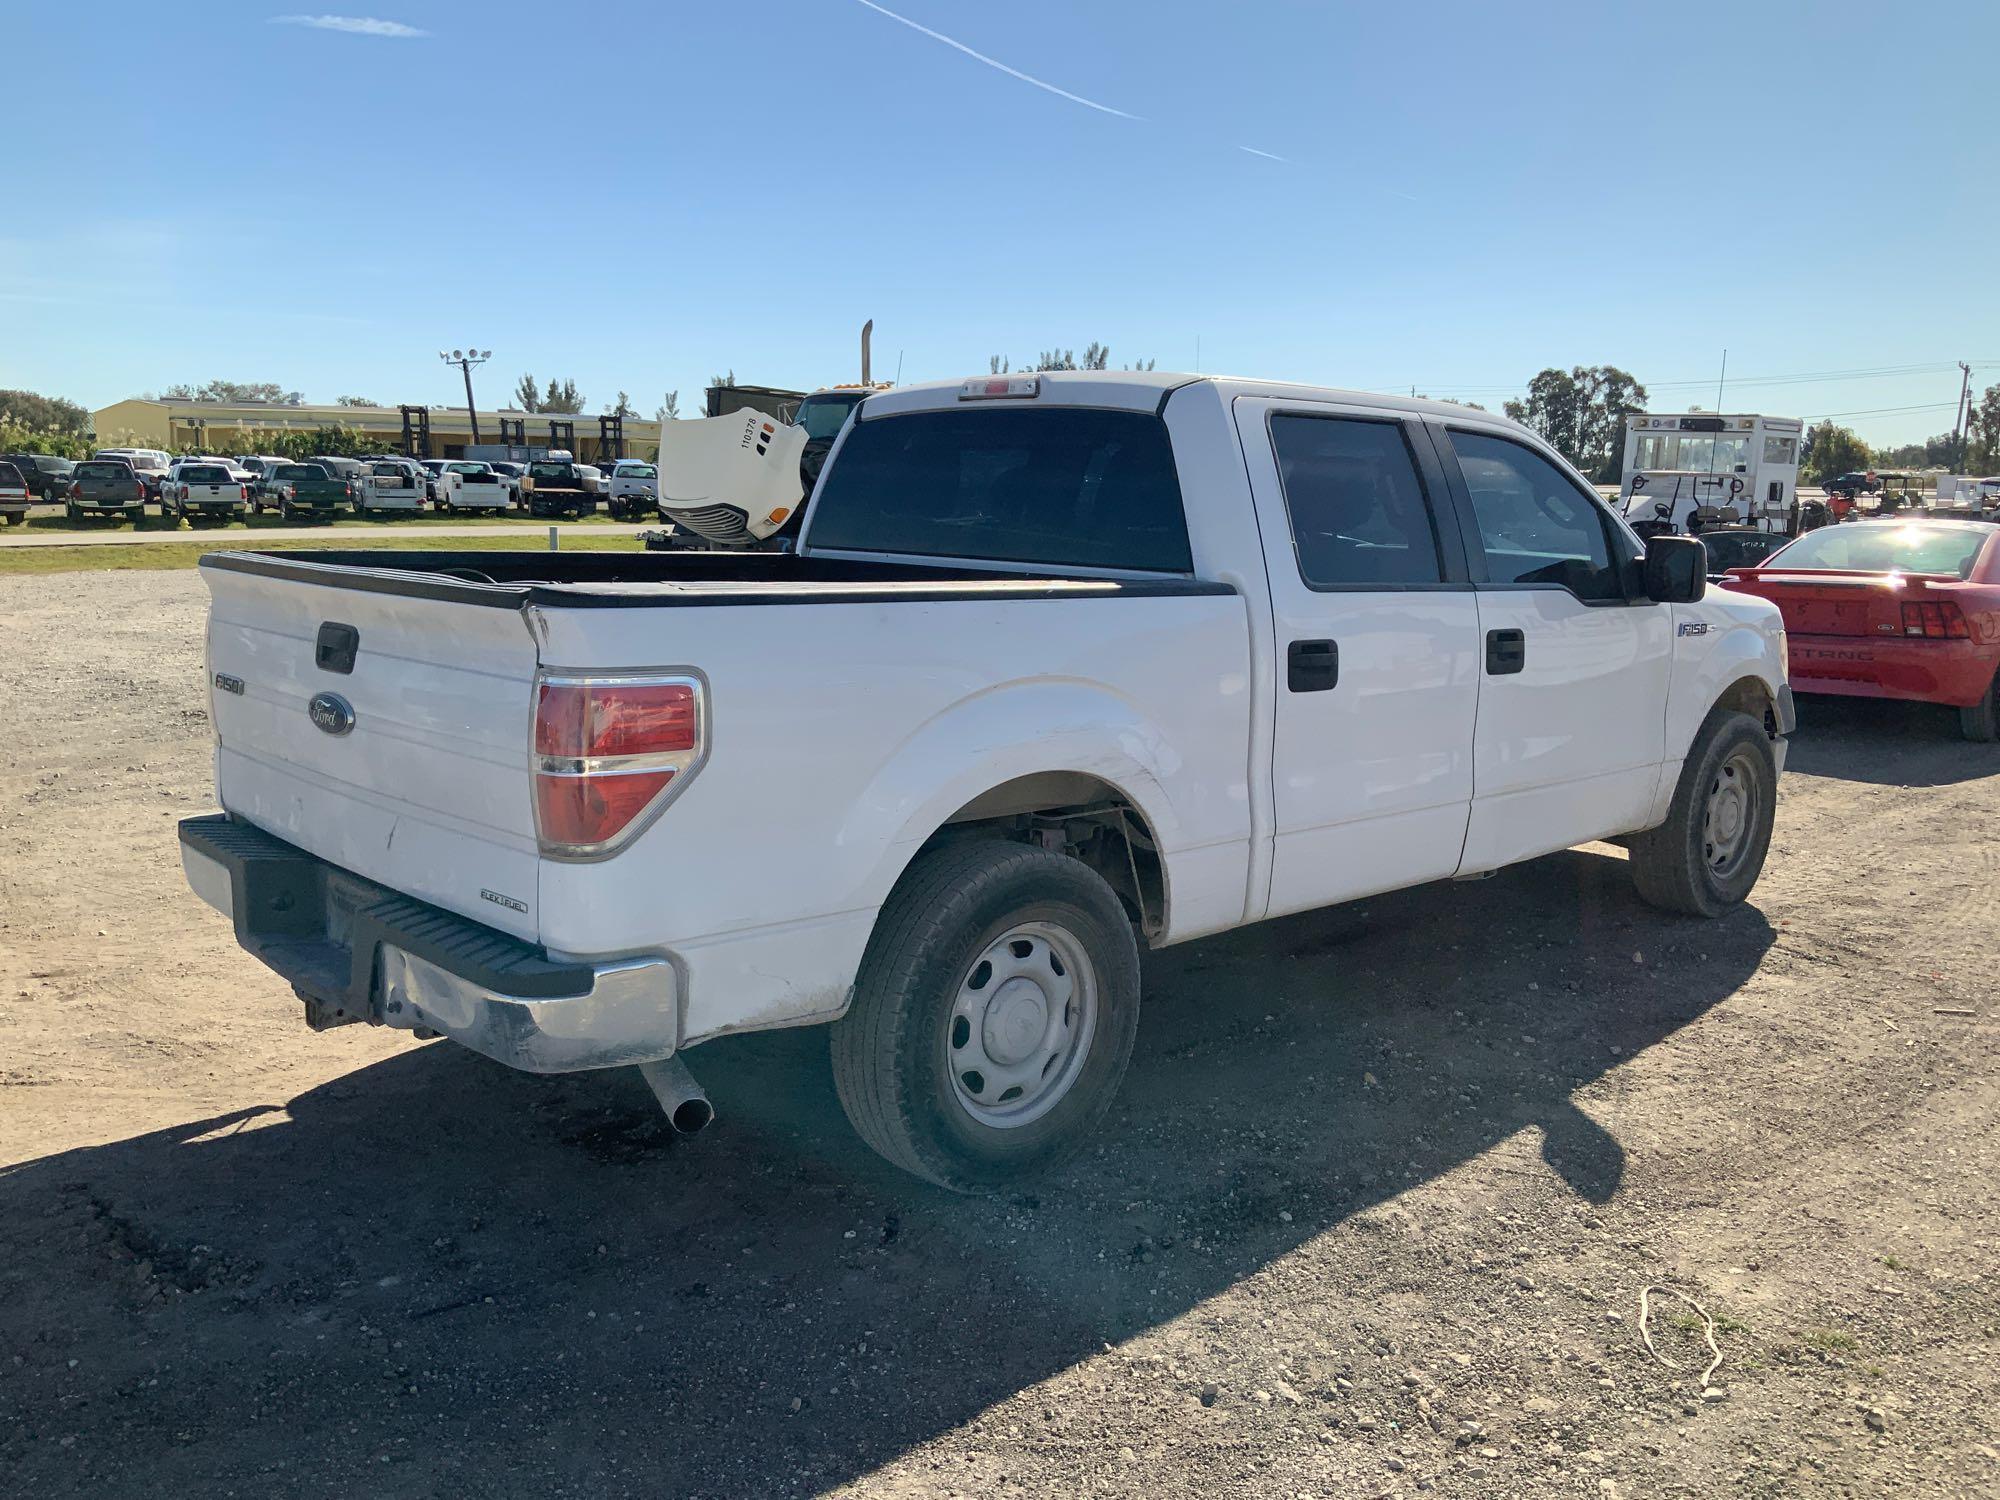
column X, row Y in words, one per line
column 1720, row 381
column 1964, row 409
column 465, row 359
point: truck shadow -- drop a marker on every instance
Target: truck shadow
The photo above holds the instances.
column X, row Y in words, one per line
column 1885, row 742
column 437, row 1276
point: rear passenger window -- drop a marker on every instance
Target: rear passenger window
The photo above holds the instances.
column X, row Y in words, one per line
column 1358, row 511
column 1535, row 525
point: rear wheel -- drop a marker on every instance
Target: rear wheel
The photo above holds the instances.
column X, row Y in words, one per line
column 1708, row 854
column 1981, row 722
column 993, row 1016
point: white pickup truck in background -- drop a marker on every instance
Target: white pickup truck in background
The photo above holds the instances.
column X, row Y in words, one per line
column 389, row 484
column 203, row 488
column 466, row 484
column 633, row 490
column 1071, row 662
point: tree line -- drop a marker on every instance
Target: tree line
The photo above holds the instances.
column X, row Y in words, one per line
column 1580, row 411
column 1831, row 450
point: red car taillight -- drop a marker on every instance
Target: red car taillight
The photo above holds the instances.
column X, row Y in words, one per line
column 1935, row 622
column 609, row 752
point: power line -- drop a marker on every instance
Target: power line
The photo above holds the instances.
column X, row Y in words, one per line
column 1884, row 411
column 1877, row 372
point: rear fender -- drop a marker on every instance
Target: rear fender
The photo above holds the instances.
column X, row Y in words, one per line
column 999, row 735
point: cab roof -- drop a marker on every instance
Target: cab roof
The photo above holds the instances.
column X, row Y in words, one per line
column 1146, row 390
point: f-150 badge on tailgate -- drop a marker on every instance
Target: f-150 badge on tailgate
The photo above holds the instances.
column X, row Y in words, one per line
column 331, row 713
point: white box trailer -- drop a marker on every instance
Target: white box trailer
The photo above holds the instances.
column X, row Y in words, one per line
column 1696, row 469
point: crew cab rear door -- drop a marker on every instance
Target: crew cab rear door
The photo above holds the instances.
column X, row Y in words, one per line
column 1376, row 649
column 386, row 729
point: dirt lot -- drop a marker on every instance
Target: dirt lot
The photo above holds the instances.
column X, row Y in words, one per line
column 1373, row 1215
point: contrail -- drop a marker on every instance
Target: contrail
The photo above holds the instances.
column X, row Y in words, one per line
column 939, row 36
column 1267, row 155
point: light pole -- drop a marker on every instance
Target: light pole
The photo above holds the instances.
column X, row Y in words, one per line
column 465, row 359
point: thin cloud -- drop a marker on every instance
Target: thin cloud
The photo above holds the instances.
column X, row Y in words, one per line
column 991, row 62
column 352, row 25
column 1267, row 155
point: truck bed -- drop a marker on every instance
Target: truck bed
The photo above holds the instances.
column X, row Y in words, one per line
column 583, row 580
column 377, row 712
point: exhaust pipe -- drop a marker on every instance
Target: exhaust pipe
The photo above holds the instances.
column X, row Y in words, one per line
column 687, row 1106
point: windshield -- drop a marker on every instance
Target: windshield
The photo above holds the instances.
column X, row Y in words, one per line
column 637, row 471
column 1870, row 547
column 299, row 471
column 1738, row 549
column 11, row 476
column 1695, row 452
column 1069, row 486
column 470, row 469
column 204, row 474
column 106, row 470
column 822, row 416
column 547, row 470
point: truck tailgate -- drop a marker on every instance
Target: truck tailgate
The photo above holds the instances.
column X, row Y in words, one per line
column 409, row 767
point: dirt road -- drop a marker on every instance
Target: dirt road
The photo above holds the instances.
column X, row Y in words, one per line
column 1373, row 1216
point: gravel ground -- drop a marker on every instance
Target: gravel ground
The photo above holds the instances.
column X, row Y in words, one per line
column 1373, row 1216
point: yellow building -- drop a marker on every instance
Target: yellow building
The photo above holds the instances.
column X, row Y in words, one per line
column 179, row 424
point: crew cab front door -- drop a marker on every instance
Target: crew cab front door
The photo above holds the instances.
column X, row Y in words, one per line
column 1376, row 632
column 1573, row 671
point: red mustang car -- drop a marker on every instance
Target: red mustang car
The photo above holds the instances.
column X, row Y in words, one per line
column 1892, row 609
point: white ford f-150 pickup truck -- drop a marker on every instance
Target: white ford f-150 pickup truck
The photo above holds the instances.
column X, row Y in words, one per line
column 1062, row 664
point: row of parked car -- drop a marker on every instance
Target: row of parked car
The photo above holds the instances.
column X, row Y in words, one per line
column 118, row 484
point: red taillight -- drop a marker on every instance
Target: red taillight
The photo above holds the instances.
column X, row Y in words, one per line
column 588, row 720
column 139, row 489
column 606, row 752
column 579, row 814
column 242, row 492
column 1935, row 622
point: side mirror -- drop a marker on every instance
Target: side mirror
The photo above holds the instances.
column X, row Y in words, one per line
column 1675, row 570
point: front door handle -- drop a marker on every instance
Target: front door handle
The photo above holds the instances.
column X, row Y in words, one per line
column 1506, row 652
column 1312, row 666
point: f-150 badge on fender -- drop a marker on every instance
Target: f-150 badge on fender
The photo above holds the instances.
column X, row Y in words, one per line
column 1693, row 627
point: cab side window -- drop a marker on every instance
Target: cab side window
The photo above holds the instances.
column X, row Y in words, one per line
column 1535, row 525
column 1358, row 510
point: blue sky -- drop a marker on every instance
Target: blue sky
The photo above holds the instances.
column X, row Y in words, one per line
column 638, row 195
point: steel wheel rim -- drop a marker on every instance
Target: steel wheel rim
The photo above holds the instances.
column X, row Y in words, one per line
column 1021, row 1025
column 1735, row 799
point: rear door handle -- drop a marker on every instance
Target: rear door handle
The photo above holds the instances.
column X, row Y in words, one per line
column 1506, row 652
column 1312, row 666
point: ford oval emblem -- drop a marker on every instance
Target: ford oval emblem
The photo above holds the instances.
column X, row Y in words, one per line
column 331, row 713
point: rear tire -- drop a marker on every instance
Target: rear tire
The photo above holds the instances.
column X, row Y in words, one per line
column 1056, row 1029
column 1708, row 854
column 1981, row 722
